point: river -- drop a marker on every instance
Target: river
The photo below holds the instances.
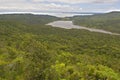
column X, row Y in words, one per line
column 70, row 25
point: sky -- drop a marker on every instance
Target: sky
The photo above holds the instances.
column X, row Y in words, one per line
column 38, row 6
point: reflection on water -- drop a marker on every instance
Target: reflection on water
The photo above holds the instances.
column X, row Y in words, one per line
column 70, row 25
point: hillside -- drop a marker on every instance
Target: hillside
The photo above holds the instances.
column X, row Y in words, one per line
column 109, row 21
column 27, row 18
column 31, row 50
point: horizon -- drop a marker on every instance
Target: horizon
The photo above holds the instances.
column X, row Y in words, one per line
column 59, row 14
column 59, row 6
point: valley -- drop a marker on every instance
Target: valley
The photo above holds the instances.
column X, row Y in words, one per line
column 70, row 25
column 62, row 50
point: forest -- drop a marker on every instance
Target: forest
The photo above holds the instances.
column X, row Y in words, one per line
column 32, row 50
column 109, row 21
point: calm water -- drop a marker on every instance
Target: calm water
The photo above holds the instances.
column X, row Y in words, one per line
column 70, row 25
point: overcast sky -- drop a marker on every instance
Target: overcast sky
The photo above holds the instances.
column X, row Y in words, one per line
column 59, row 5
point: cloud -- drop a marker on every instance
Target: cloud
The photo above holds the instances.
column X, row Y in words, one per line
column 52, row 5
column 105, row 1
column 12, row 1
column 78, row 1
column 29, row 5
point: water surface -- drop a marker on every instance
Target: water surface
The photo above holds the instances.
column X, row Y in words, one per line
column 70, row 25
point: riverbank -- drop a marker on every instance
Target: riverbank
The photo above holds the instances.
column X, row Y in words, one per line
column 70, row 25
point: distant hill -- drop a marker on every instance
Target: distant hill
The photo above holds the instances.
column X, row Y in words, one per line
column 115, row 12
column 27, row 18
column 108, row 21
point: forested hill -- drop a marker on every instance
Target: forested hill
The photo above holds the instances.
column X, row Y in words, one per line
column 108, row 21
column 27, row 18
column 31, row 50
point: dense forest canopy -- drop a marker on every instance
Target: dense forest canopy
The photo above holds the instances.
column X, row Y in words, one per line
column 109, row 21
column 31, row 50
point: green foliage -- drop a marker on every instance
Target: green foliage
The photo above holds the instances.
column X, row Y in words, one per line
column 108, row 21
column 40, row 52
